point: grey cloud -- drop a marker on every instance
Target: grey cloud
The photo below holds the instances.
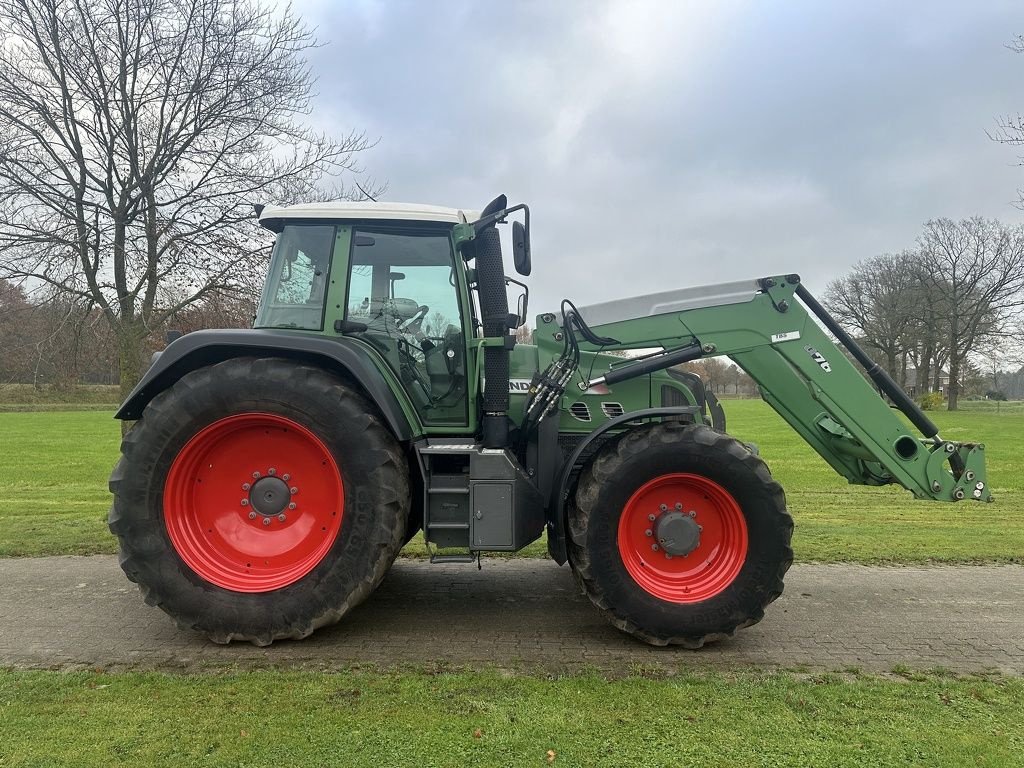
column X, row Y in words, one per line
column 671, row 143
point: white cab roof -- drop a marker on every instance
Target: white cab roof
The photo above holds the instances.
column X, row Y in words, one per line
column 343, row 209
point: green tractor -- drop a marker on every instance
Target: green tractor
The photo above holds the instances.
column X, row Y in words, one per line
column 273, row 474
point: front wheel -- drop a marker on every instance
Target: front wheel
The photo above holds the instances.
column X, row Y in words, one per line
column 259, row 499
column 679, row 534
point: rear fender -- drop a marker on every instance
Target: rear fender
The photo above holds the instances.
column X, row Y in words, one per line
column 346, row 357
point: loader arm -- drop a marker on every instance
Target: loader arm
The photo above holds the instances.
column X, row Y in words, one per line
column 770, row 328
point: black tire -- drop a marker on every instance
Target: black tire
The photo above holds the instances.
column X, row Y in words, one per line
column 374, row 473
column 609, row 481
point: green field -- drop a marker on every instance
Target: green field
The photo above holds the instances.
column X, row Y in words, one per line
column 54, row 500
column 362, row 718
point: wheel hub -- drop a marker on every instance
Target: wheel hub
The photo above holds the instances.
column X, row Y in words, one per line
column 677, row 533
column 269, row 496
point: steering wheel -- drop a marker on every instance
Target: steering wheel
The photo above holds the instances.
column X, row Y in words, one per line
column 412, row 325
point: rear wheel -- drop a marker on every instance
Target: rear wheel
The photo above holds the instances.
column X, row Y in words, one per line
column 679, row 534
column 258, row 500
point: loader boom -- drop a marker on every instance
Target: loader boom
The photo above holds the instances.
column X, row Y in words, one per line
column 768, row 327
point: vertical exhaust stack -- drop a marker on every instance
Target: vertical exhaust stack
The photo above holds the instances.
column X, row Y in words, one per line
column 490, row 281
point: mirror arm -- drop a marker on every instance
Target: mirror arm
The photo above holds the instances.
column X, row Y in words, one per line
column 498, row 217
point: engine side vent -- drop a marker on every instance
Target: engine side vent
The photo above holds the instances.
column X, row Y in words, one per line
column 580, row 411
column 670, row 396
column 612, row 410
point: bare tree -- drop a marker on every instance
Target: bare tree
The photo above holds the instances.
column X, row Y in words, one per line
column 524, row 334
column 880, row 301
column 17, row 332
column 713, row 371
column 976, row 268
column 1010, row 128
column 137, row 134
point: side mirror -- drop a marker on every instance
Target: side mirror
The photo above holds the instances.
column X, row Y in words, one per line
column 522, row 304
column 521, row 249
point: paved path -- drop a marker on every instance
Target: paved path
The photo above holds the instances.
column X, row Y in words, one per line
column 526, row 614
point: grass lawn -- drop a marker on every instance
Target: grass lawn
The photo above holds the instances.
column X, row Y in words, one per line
column 85, row 397
column 363, row 718
column 54, row 468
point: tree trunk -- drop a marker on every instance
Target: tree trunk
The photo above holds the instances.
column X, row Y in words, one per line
column 924, row 373
column 954, row 376
column 131, row 361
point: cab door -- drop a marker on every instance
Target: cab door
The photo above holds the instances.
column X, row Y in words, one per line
column 403, row 287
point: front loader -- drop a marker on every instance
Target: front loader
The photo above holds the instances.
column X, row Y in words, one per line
column 273, row 474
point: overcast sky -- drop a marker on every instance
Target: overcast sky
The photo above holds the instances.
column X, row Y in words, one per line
column 663, row 144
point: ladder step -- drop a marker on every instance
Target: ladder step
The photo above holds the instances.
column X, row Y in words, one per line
column 449, row 449
column 455, row 491
column 449, row 526
column 453, row 558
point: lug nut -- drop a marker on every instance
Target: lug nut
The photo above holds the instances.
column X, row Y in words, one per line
column 700, row 527
column 282, row 517
column 648, row 532
column 668, row 556
column 255, row 475
column 246, row 486
column 286, row 477
column 266, row 521
column 970, row 474
column 979, row 487
column 291, row 505
column 651, row 518
column 664, row 507
column 245, row 502
column 958, row 494
column 679, row 507
column 977, row 494
column 693, row 513
column 252, row 515
column 271, row 471
column 654, row 547
column 293, row 490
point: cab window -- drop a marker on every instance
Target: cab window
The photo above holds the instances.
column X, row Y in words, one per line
column 293, row 296
column 402, row 288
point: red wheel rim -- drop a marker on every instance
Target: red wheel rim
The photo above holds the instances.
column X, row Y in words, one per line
column 253, row 502
column 709, row 568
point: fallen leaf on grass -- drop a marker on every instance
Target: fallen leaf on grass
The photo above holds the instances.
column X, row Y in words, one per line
column 550, row 756
column 477, row 733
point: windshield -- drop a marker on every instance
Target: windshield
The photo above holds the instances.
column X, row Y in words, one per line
column 294, row 294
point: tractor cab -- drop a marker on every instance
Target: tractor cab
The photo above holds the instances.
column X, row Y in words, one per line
column 394, row 276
